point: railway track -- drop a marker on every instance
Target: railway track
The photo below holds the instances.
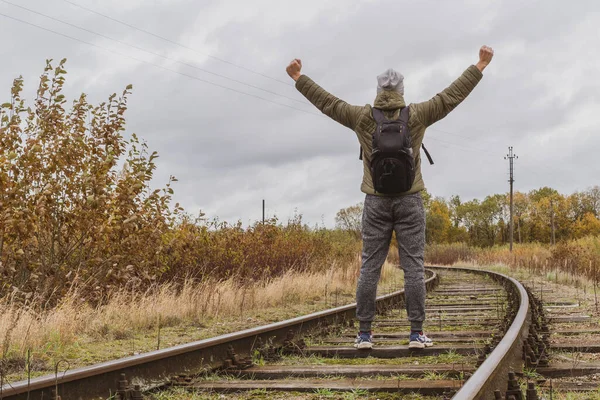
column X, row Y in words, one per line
column 480, row 322
column 570, row 368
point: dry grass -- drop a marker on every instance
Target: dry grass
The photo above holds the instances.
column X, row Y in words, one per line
column 128, row 314
column 580, row 257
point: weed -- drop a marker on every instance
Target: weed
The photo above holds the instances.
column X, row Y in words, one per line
column 323, row 392
column 433, row 376
column 355, row 394
column 531, row 374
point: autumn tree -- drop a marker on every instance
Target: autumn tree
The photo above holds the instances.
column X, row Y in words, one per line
column 75, row 200
column 521, row 210
column 593, row 199
column 456, row 212
column 437, row 221
column 588, row 225
column 350, row 219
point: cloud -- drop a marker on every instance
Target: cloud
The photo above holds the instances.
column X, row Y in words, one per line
column 230, row 150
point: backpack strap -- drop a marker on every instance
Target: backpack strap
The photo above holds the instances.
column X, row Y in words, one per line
column 404, row 115
column 378, row 115
column 379, row 118
column 427, row 154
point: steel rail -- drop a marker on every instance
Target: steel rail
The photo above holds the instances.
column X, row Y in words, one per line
column 507, row 355
column 157, row 367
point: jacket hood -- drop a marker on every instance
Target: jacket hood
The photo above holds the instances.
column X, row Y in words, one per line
column 389, row 100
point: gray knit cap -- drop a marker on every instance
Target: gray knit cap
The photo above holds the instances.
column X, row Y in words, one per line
column 390, row 80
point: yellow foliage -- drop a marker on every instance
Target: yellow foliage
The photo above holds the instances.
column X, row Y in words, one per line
column 77, row 212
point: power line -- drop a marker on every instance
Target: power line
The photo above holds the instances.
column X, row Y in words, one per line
column 156, row 65
column 460, row 146
column 456, row 134
column 445, row 146
column 446, row 132
column 175, row 43
column 193, row 66
column 150, row 52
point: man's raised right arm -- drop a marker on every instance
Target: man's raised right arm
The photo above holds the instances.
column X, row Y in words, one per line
column 327, row 103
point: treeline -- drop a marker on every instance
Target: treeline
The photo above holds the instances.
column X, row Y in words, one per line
column 77, row 212
column 542, row 215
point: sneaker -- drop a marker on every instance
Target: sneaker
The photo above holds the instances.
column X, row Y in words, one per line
column 364, row 340
column 418, row 340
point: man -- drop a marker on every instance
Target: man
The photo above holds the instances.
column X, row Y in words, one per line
column 400, row 212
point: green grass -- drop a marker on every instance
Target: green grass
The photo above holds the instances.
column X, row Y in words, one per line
column 450, row 357
column 355, row 394
column 262, row 394
column 326, row 393
column 435, row 376
column 531, row 374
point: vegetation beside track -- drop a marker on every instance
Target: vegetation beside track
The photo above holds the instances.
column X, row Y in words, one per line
column 90, row 252
column 131, row 323
column 79, row 216
column 580, row 257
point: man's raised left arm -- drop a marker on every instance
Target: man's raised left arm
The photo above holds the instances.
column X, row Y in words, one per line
column 431, row 111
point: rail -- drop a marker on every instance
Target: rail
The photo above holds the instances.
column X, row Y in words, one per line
column 155, row 368
column 507, row 355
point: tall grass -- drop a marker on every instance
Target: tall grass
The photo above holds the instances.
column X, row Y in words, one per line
column 575, row 257
column 172, row 304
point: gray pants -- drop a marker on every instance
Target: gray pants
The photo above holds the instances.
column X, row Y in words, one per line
column 406, row 216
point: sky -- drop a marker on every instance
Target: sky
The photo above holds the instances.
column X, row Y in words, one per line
column 211, row 94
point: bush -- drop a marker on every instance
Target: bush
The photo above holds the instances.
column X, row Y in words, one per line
column 577, row 257
column 448, row 254
column 258, row 252
column 70, row 214
column 77, row 213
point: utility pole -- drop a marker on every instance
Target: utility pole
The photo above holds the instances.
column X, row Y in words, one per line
column 552, row 221
column 263, row 211
column 510, row 157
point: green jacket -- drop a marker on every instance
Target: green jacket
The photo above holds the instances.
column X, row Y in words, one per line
column 360, row 118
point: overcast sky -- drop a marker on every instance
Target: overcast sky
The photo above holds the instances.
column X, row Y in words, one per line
column 230, row 150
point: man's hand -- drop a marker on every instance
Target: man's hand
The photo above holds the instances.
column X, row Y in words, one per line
column 294, row 68
column 485, row 57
